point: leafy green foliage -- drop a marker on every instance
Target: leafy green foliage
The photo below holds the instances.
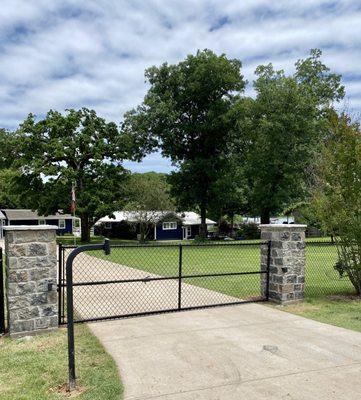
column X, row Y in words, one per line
column 9, row 198
column 285, row 124
column 148, row 191
column 78, row 147
column 8, row 149
column 249, row 231
column 228, row 191
column 147, row 194
column 337, row 197
column 304, row 213
column 185, row 114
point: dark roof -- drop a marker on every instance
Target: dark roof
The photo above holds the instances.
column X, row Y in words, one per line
column 16, row 215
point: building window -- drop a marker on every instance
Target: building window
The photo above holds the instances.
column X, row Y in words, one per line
column 42, row 222
column 61, row 224
column 76, row 223
column 108, row 225
column 169, row 225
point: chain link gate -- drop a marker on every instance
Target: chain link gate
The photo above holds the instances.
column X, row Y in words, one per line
column 137, row 280
column 138, row 262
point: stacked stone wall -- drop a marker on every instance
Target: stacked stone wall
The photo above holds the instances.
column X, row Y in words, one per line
column 286, row 263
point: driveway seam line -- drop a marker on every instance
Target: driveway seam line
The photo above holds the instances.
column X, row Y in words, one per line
column 241, row 382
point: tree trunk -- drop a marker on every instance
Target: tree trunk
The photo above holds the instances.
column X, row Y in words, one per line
column 232, row 225
column 85, row 228
column 265, row 216
column 142, row 232
column 203, row 226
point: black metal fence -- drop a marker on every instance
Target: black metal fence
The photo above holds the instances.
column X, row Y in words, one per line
column 323, row 276
column 2, row 294
column 136, row 280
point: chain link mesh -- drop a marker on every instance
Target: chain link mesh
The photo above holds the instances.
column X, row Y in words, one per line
column 322, row 276
column 141, row 279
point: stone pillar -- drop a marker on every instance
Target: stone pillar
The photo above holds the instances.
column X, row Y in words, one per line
column 287, row 262
column 31, row 279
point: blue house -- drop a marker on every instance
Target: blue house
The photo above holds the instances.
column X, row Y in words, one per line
column 66, row 223
column 2, row 224
column 162, row 225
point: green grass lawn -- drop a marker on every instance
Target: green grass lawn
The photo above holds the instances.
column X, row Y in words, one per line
column 36, row 368
column 196, row 260
column 343, row 311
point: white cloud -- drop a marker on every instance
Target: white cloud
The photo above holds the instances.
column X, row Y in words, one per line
column 63, row 54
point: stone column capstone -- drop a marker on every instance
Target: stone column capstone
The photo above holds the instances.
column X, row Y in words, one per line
column 287, row 262
column 31, row 279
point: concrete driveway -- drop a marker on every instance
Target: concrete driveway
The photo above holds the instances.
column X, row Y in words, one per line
column 239, row 352
column 94, row 301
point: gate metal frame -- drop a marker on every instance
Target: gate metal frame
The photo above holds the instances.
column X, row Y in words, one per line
column 106, row 247
column 70, row 306
column 2, row 294
column 180, row 277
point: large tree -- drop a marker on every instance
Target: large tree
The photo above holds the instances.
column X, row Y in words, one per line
column 76, row 148
column 337, row 193
column 147, row 199
column 286, row 122
column 184, row 114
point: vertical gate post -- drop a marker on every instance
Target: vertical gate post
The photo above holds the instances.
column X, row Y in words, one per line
column 285, row 260
column 2, row 294
column 31, row 277
column 70, row 303
column 60, row 282
column 180, row 276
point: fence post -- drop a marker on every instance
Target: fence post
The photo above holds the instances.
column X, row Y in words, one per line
column 60, row 281
column 180, row 276
column 2, row 294
column 285, row 261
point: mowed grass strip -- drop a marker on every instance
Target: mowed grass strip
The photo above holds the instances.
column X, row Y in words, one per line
column 342, row 311
column 36, row 368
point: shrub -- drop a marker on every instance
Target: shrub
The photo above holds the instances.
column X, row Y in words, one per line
column 341, row 268
column 249, row 231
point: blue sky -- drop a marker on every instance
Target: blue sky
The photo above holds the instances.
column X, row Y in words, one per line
column 64, row 54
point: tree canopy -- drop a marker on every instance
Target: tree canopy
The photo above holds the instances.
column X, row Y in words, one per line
column 76, row 148
column 232, row 153
column 284, row 126
column 184, row 114
column 9, row 197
